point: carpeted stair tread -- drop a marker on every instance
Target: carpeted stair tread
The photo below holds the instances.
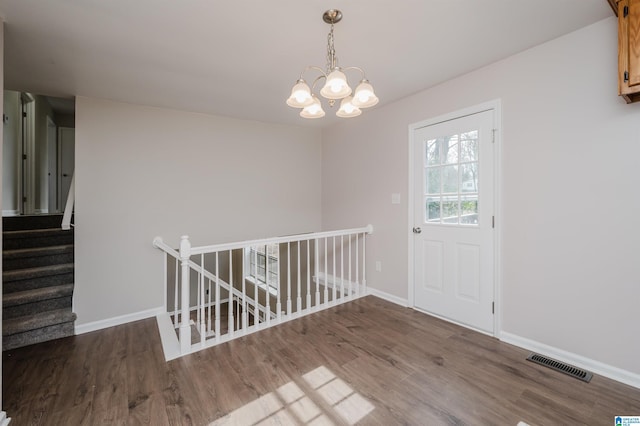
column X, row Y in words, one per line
column 22, row 258
column 37, row 251
column 36, row 295
column 40, row 271
column 38, row 335
column 39, row 320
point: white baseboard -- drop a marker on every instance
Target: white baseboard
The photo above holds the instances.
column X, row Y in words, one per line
column 388, row 297
column 10, row 213
column 122, row 319
column 597, row 367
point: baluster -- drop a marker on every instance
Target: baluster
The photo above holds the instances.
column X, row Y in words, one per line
column 278, row 290
column 198, row 300
column 185, row 326
column 350, row 283
column 209, row 305
column 333, row 274
column 299, row 298
column 289, row 279
column 316, row 267
column 231, row 329
column 308, row 275
column 256, row 306
column 364, row 264
column 341, row 267
column 326, row 273
column 266, row 278
column 357, row 267
column 201, row 307
column 244, row 296
column 217, row 323
column 176, row 323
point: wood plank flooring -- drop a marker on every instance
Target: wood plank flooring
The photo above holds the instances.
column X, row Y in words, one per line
column 366, row 362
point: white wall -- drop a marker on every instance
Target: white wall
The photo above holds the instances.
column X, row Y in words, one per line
column 143, row 172
column 570, row 270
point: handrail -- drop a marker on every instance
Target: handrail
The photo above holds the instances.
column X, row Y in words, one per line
column 159, row 243
column 68, row 208
column 276, row 240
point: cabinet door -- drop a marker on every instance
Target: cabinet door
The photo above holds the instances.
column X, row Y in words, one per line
column 629, row 49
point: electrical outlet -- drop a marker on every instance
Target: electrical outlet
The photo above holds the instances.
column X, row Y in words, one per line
column 378, row 266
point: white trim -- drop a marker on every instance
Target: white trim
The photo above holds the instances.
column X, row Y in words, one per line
column 496, row 106
column 388, row 297
column 170, row 342
column 4, row 420
column 41, row 211
column 122, row 319
column 614, row 373
column 10, row 213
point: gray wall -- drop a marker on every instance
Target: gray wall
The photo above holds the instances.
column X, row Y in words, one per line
column 143, row 172
column 570, row 274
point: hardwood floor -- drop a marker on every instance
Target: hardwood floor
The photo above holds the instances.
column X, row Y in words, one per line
column 365, row 362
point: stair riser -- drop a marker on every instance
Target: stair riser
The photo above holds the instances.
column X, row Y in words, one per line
column 39, row 335
column 39, row 306
column 39, row 282
column 18, row 223
column 31, row 262
column 45, row 241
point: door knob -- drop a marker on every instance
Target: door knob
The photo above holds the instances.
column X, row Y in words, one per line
column 65, row 175
column 417, row 230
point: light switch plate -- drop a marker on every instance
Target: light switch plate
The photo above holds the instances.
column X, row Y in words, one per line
column 395, row 198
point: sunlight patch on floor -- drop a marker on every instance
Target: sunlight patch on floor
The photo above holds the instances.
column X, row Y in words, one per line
column 291, row 405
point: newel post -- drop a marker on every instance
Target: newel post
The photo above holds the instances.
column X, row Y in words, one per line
column 185, row 323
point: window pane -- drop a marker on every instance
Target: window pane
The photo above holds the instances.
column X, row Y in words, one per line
column 469, row 210
column 432, row 210
column 450, row 148
column 450, row 211
column 469, row 177
column 433, row 151
column 469, row 147
column 433, row 180
column 450, row 179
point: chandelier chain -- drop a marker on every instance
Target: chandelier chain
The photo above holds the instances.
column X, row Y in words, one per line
column 332, row 60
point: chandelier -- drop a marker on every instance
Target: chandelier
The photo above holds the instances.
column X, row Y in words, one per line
column 335, row 86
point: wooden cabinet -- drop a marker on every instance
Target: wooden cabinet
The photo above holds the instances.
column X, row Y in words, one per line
column 629, row 49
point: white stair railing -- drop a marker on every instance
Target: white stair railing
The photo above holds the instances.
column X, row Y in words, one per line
column 254, row 287
column 68, row 208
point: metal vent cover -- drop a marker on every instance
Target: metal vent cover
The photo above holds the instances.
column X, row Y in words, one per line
column 562, row 367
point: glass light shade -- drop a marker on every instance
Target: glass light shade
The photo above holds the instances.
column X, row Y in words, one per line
column 347, row 109
column 364, row 97
column 314, row 110
column 300, row 95
column 336, row 86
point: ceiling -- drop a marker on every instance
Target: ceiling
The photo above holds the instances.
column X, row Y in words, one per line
column 239, row 58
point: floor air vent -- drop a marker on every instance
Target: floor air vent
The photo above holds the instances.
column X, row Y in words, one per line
column 570, row 370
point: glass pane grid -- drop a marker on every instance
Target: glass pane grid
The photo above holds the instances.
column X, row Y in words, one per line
column 451, row 166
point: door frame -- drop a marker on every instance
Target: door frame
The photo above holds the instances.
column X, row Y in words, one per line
column 496, row 106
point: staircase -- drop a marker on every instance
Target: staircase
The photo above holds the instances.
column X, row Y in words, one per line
column 37, row 280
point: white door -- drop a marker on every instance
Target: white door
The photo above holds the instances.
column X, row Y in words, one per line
column 453, row 219
column 67, row 146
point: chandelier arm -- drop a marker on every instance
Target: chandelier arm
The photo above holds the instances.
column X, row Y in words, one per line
column 318, row 78
column 313, row 67
column 356, row 68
